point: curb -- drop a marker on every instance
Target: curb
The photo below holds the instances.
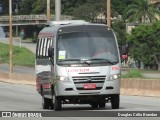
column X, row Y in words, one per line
column 19, row 82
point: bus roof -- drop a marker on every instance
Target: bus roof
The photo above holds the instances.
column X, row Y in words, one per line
column 52, row 27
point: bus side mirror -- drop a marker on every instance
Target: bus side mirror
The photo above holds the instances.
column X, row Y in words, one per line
column 123, row 50
column 50, row 52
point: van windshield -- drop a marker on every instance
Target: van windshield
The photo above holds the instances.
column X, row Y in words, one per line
column 87, row 47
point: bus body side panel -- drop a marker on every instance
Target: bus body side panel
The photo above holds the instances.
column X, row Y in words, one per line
column 43, row 74
column 43, row 66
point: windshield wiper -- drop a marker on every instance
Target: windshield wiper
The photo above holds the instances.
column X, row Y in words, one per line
column 86, row 61
column 101, row 59
column 80, row 60
column 63, row 60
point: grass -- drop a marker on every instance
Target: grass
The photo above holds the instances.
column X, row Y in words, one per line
column 133, row 74
column 21, row 56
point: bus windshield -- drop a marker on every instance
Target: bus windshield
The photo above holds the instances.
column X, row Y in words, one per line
column 90, row 47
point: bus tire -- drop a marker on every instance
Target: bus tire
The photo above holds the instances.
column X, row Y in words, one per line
column 45, row 102
column 115, row 101
column 57, row 103
column 102, row 105
column 51, row 105
column 94, row 105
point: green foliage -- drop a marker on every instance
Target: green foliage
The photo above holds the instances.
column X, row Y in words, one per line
column 118, row 6
column 40, row 6
column 145, row 43
column 139, row 10
column 140, row 43
column 120, row 29
column 89, row 10
column 133, row 74
column 77, row 8
column 21, row 56
column 68, row 6
column 26, row 7
column 4, row 7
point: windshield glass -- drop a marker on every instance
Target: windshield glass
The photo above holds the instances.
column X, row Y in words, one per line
column 86, row 47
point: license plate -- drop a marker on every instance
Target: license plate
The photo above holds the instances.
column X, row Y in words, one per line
column 89, row 86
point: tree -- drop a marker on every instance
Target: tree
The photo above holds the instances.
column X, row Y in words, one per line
column 140, row 10
column 26, row 7
column 139, row 48
column 119, row 27
column 68, row 6
column 40, row 6
column 4, row 6
column 35, row 7
column 155, row 37
column 90, row 10
column 144, row 43
column 118, row 6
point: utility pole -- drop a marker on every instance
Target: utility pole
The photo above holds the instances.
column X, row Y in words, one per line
column 16, row 11
column 109, row 13
column 10, row 36
column 48, row 11
column 58, row 10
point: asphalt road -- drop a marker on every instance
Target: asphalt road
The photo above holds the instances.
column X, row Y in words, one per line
column 15, row 97
column 17, row 69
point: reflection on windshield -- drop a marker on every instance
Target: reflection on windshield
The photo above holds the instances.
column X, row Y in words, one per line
column 92, row 46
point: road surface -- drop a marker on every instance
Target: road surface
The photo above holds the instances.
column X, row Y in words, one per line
column 15, row 97
column 17, row 69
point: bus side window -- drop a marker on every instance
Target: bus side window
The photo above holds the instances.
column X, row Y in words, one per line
column 38, row 48
column 48, row 44
column 42, row 48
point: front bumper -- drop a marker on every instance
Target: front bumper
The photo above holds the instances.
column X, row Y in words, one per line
column 69, row 89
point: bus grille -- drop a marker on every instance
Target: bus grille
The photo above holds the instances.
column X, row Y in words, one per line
column 79, row 81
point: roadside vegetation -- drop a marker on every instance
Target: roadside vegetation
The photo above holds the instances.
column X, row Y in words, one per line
column 21, row 56
column 133, row 74
column 138, row 73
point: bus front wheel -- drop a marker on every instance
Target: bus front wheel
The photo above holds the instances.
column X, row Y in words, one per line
column 115, row 101
column 57, row 103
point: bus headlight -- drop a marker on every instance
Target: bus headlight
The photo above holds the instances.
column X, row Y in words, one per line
column 114, row 77
column 64, row 79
